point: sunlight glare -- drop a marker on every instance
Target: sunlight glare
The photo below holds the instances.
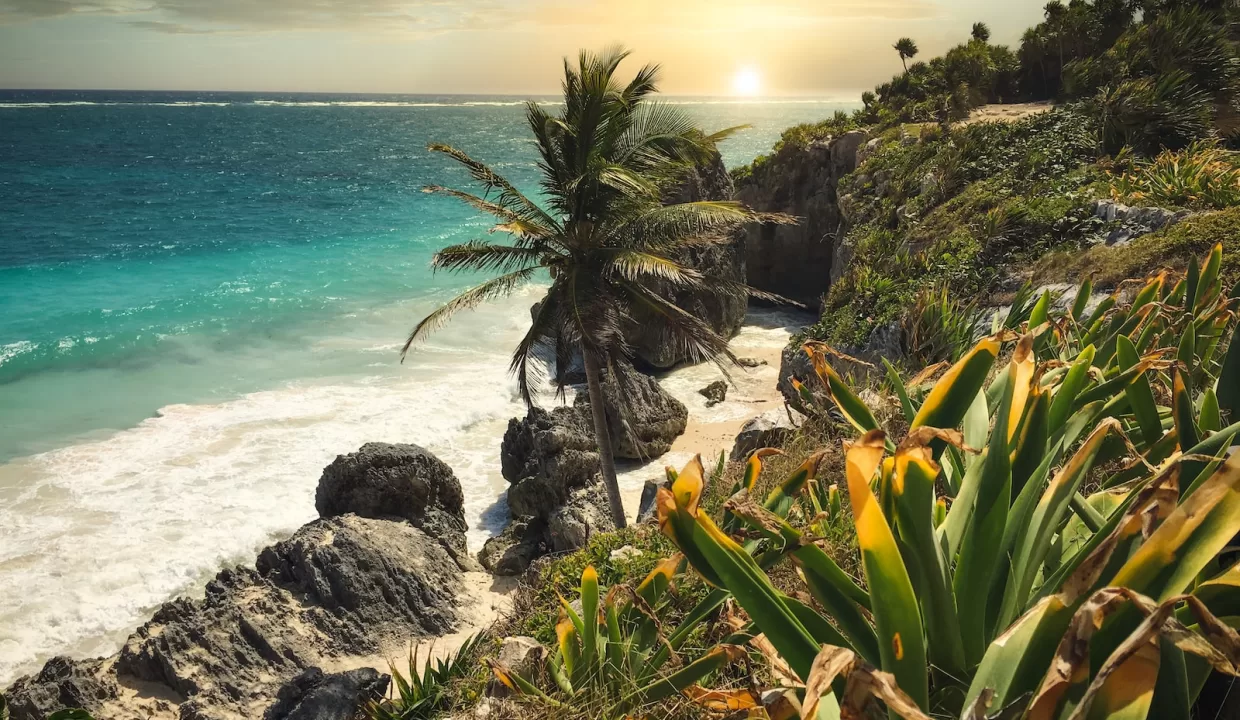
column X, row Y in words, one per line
column 747, row 82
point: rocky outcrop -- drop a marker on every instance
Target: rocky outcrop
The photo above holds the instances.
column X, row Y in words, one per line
column 512, row 551
column 383, row 480
column 884, row 343
column 715, row 393
column 653, row 348
column 523, row 656
column 771, row 429
column 550, row 457
column 62, row 683
column 337, row 587
column 798, row 261
column 312, row 695
column 1133, row 222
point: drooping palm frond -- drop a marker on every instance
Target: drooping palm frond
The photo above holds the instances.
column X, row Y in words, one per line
column 481, row 256
column 490, row 290
column 508, row 197
column 522, row 225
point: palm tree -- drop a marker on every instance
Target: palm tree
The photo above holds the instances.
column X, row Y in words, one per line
column 981, row 32
column 907, row 49
column 605, row 238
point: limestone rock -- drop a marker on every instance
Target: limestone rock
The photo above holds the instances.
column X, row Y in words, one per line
column 652, row 346
column 383, row 480
column 644, row 419
column 770, row 429
column 1134, row 221
column 714, row 393
column 799, row 261
column 646, row 511
column 62, row 683
column 523, row 656
column 511, row 552
column 313, row 695
column 585, row 514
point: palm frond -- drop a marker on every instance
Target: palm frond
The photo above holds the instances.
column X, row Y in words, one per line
column 516, row 223
column 491, row 289
column 508, row 196
column 544, row 333
column 480, row 256
column 638, row 266
column 693, row 337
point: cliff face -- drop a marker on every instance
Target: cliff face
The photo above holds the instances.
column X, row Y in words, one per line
column 654, row 350
column 799, row 261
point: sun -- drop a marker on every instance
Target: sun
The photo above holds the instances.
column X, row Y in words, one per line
column 747, row 82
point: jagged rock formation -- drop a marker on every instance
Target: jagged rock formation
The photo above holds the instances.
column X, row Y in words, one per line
column 799, row 261
column 551, row 459
column 1134, row 221
column 340, row 586
column 313, row 695
column 383, row 480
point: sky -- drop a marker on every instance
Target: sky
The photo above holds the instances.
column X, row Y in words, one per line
column 773, row 48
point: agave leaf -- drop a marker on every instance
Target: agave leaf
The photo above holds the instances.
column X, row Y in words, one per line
column 1188, row 539
column 913, row 486
column 1082, row 298
column 982, row 540
column 1140, row 396
column 1210, row 419
column 851, row 406
column 893, row 377
column 896, row 613
column 948, row 402
column 1207, row 285
column 781, row 498
column 1228, row 387
column 1074, row 381
column 1182, row 407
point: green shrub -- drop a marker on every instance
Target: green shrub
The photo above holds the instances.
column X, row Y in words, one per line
column 1200, row 176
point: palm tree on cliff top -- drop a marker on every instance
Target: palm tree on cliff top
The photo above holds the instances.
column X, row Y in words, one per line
column 605, row 237
column 907, row 49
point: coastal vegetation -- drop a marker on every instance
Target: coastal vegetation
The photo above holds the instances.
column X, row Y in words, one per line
column 1062, row 487
column 606, row 238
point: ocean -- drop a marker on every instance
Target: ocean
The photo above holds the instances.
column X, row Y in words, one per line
column 202, row 301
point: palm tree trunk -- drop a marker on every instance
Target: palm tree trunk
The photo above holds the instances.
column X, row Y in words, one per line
column 605, row 455
column 905, row 64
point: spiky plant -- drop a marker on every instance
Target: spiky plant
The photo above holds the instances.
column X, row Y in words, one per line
column 605, row 237
column 420, row 695
column 907, row 49
column 985, row 608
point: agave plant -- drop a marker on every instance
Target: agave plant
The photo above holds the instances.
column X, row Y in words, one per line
column 975, row 605
column 423, row 693
column 612, row 655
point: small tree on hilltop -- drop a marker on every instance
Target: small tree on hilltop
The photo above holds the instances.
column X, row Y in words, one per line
column 907, row 49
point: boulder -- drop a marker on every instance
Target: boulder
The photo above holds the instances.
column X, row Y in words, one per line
column 313, row 695
column 511, row 552
column 523, row 656
column 883, row 343
column 644, row 419
column 585, row 514
column 646, row 511
column 771, row 429
column 383, row 480
column 62, row 683
column 1133, row 222
column 799, row 261
column 714, row 393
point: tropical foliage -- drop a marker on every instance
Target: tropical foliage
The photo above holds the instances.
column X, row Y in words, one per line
column 993, row 585
column 605, row 236
column 1202, row 176
column 424, row 693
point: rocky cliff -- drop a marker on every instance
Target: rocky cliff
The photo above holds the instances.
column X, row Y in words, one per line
column 799, row 261
column 340, row 587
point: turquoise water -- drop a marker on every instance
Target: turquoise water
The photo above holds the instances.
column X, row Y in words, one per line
column 202, row 297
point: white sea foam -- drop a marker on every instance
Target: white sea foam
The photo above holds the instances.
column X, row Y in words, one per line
column 95, row 535
column 12, row 350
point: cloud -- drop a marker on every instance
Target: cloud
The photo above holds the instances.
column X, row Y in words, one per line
column 196, row 16
column 425, row 16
